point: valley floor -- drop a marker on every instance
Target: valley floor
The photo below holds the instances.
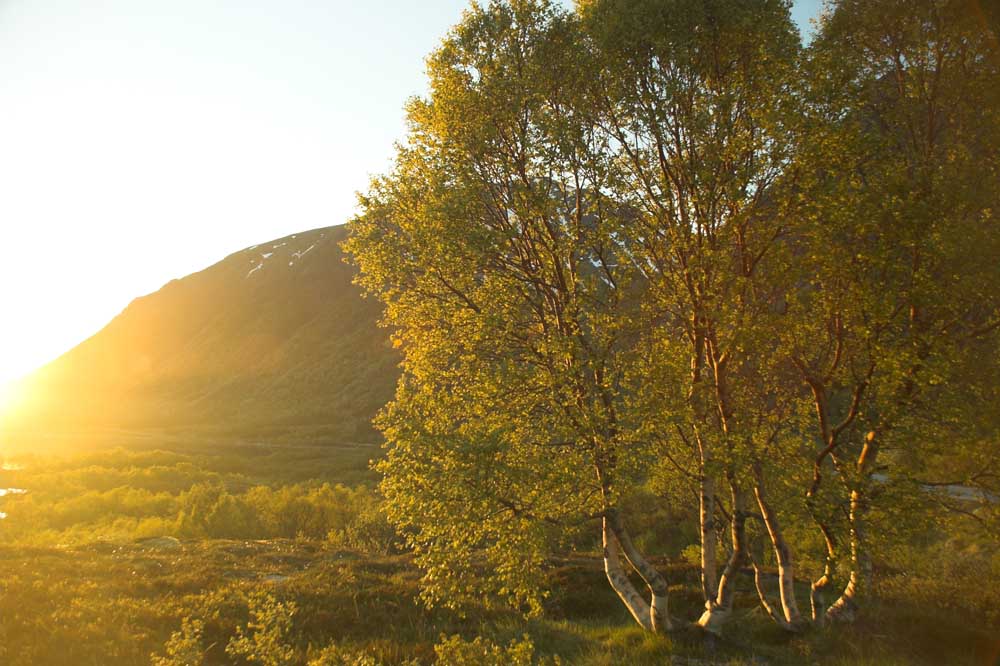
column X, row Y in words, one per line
column 88, row 577
column 110, row 604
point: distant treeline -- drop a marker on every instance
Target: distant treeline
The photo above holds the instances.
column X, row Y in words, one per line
column 122, row 495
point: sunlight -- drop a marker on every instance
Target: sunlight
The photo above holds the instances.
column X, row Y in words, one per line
column 10, row 395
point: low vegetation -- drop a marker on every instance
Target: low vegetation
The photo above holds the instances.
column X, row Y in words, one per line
column 318, row 578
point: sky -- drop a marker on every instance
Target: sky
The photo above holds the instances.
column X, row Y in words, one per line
column 143, row 140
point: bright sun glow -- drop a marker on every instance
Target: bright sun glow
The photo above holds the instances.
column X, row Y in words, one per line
column 8, row 395
column 143, row 141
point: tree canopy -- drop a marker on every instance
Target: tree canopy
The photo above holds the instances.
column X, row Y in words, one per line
column 664, row 243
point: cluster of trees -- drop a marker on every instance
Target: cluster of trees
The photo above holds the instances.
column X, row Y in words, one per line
column 661, row 239
column 349, row 517
column 122, row 495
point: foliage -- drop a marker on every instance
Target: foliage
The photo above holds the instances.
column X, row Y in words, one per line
column 263, row 640
column 184, row 647
column 512, row 285
column 453, row 651
column 660, row 243
column 121, row 494
column 334, row 655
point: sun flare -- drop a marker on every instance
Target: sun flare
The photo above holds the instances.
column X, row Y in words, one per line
column 10, row 395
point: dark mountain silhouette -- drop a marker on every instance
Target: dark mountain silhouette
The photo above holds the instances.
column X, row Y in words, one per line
column 272, row 338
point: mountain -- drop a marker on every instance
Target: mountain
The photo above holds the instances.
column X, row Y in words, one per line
column 272, row 338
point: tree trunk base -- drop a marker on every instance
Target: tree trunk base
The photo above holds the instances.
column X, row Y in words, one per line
column 844, row 611
column 714, row 619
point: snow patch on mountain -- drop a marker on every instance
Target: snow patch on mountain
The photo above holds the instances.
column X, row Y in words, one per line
column 299, row 255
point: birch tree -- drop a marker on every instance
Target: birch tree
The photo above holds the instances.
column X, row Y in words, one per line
column 901, row 235
column 501, row 262
column 695, row 102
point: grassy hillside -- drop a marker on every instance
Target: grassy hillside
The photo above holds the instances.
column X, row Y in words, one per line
column 272, row 338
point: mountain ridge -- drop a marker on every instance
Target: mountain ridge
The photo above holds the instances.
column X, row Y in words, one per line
column 274, row 336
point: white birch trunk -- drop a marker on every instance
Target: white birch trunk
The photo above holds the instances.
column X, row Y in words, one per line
column 768, row 608
column 620, row 583
column 718, row 609
column 709, row 583
column 844, row 609
column 659, row 617
column 818, row 589
column 783, row 555
column 817, row 598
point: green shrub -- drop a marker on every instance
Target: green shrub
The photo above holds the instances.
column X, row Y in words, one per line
column 184, row 647
column 335, row 655
column 454, row 651
column 263, row 641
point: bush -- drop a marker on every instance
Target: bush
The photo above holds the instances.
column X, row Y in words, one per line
column 335, row 655
column 455, row 651
column 184, row 647
column 263, row 639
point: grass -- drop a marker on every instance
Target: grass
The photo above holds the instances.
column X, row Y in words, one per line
column 112, row 600
column 111, row 604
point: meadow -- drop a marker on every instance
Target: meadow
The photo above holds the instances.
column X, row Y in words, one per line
column 120, row 556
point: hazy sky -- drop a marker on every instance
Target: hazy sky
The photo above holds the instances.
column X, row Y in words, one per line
column 141, row 141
